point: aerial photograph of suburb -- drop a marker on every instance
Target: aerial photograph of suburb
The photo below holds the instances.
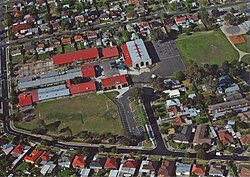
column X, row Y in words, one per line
column 125, row 88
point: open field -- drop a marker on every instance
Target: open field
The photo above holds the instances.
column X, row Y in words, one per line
column 246, row 58
column 88, row 112
column 245, row 47
column 211, row 47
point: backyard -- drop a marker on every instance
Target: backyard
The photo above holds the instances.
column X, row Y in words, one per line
column 88, row 112
column 209, row 47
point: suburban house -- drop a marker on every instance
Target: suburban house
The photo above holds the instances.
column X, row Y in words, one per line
column 135, row 54
column 44, row 158
column 128, row 168
column 166, row 169
column 245, row 171
column 185, row 136
column 202, row 135
column 182, row 21
column 112, row 163
column 115, row 82
column 148, row 168
column 65, row 160
column 198, row 170
column 172, row 93
column 78, row 162
column 33, row 156
column 183, row 169
column 225, row 137
column 19, row 150
column 245, row 139
column 97, row 163
column 216, row 170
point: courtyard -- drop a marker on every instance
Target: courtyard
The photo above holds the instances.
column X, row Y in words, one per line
column 87, row 112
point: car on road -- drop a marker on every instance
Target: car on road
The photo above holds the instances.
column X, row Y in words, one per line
column 219, row 153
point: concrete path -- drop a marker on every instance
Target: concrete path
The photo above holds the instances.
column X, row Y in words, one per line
column 241, row 53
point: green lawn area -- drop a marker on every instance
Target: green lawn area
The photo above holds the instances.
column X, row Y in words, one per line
column 69, row 48
column 245, row 47
column 88, row 112
column 17, row 59
column 43, row 56
column 139, row 112
column 246, row 58
column 23, row 166
column 210, row 47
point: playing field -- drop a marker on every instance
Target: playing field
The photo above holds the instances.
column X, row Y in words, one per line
column 88, row 112
column 209, row 47
column 245, row 47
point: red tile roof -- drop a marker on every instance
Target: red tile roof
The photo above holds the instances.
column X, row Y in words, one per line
column 245, row 139
column 78, row 161
column 178, row 121
column 200, row 171
column 66, row 40
column 45, row 156
column 82, row 88
column 19, row 27
column 245, row 172
column 180, row 19
column 78, row 37
column 130, row 163
column 109, row 52
column 126, row 55
column 111, row 163
column 18, row 149
column 35, row 154
column 88, row 71
column 86, row 54
column 225, row 137
column 113, row 81
column 25, row 99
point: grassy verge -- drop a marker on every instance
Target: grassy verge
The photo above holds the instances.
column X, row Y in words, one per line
column 245, row 47
column 88, row 112
column 69, row 48
column 43, row 56
column 139, row 112
column 246, row 58
column 210, row 47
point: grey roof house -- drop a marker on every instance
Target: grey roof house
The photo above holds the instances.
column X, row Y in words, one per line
column 184, row 136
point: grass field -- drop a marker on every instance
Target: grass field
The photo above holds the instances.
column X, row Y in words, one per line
column 245, row 47
column 246, row 58
column 210, row 47
column 91, row 112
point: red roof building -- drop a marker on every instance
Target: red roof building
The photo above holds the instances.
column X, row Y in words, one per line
column 111, row 163
column 20, row 27
column 245, row 139
column 198, row 170
column 130, row 163
column 179, row 121
column 88, row 71
column 78, row 162
column 82, row 88
column 166, row 169
column 180, row 19
column 126, row 56
column 115, row 82
column 245, row 172
column 33, row 156
column 109, row 52
column 85, row 54
column 25, row 99
column 225, row 137
column 66, row 41
column 19, row 149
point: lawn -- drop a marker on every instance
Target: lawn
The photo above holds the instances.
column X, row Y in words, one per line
column 245, row 47
column 44, row 56
column 23, row 166
column 210, row 47
column 88, row 112
column 69, row 48
column 246, row 58
column 139, row 112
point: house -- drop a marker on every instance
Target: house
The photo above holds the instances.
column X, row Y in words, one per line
column 65, row 160
column 20, row 28
column 245, row 171
column 92, row 36
column 44, row 27
column 184, row 136
column 33, row 156
column 225, row 137
column 15, row 53
column 44, row 158
column 193, row 18
column 168, row 22
column 244, row 116
column 104, row 16
column 216, row 170
column 172, row 93
column 245, row 139
column 80, row 19
column 167, row 168
column 135, row 54
column 148, row 168
column 78, row 162
column 115, row 82
column 173, row 102
column 40, row 48
column 201, row 135
column 198, row 170
column 47, row 168
column 182, row 169
column 182, row 21
column 128, row 168
column 111, row 163
column 78, row 38
column 97, row 163
column 7, row 148
column 29, row 49
column 19, row 150
column 66, row 41
column 85, row 172
column 179, row 121
column 88, row 71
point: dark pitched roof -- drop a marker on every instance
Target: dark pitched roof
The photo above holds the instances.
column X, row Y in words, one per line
column 185, row 134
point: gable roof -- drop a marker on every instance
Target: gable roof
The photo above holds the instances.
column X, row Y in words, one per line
column 166, row 169
column 78, row 161
column 19, row 149
column 201, row 135
column 25, row 99
column 180, row 19
column 245, row 172
column 198, row 170
column 113, row 81
column 225, row 137
column 85, row 54
column 178, row 121
column 88, row 71
column 184, row 135
column 245, row 139
column 33, row 156
column 130, row 163
column 109, row 52
column 82, row 88
column 19, row 27
column 111, row 163
column 126, row 56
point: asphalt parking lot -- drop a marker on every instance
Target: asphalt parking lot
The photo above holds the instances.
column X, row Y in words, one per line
column 107, row 70
column 169, row 59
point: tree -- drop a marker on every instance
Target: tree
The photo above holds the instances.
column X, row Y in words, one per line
column 158, row 83
column 210, row 83
column 47, row 17
column 179, row 75
column 193, row 72
column 205, row 18
column 7, row 19
column 101, row 148
column 135, row 92
column 79, row 7
column 126, row 35
column 219, row 145
column 157, row 34
column 201, row 154
column 233, row 11
column 65, row 24
column 215, row 12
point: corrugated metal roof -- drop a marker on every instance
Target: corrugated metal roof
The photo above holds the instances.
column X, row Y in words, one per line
column 55, row 94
